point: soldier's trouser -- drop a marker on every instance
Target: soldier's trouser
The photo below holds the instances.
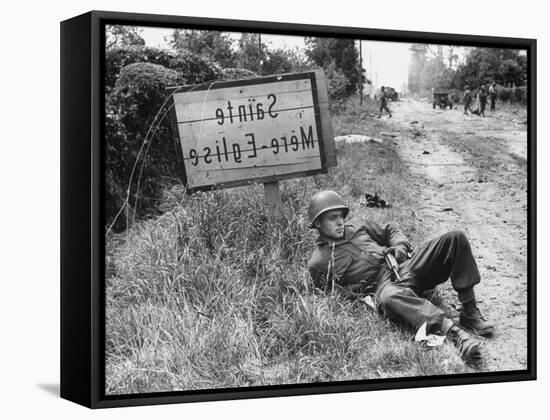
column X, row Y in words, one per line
column 384, row 106
column 467, row 106
column 450, row 255
column 493, row 104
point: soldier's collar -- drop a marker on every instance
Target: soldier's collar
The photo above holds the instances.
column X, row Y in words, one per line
column 322, row 240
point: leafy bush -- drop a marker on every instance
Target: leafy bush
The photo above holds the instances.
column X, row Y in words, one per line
column 136, row 81
column 236, row 74
column 133, row 113
column 337, row 86
column 513, row 95
column 192, row 68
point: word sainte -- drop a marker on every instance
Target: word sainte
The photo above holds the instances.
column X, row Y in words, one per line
column 246, row 112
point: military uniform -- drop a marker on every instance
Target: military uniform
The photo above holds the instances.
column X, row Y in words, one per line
column 467, row 100
column 482, row 98
column 384, row 103
column 356, row 265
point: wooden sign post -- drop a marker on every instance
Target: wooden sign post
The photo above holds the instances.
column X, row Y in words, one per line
column 272, row 195
column 266, row 129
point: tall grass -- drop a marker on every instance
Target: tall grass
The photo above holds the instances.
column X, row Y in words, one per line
column 212, row 295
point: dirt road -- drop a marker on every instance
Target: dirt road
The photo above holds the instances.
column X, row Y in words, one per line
column 470, row 174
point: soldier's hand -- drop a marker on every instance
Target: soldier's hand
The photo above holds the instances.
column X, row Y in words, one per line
column 399, row 252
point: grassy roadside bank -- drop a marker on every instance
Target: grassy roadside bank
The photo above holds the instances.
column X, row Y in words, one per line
column 209, row 295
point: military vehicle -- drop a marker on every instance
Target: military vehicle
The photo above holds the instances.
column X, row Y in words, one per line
column 392, row 93
column 442, row 100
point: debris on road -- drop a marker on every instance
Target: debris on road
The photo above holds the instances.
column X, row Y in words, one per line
column 357, row 138
column 388, row 134
column 414, row 122
column 425, row 152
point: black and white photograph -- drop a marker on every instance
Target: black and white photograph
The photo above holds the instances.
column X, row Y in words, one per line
column 286, row 210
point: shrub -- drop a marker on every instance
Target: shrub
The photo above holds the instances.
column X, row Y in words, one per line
column 191, row 67
column 135, row 100
column 516, row 95
column 236, row 74
column 337, row 86
column 136, row 79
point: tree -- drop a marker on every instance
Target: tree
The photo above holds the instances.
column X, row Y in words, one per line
column 432, row 67
column 248, row 55
column 211, row 44
column 279, row 60
column 273, row 60
column 452, row 57
column 122, row 36
column 417, row 66
column 338, row 54
column 507, row 67
column 511, row 73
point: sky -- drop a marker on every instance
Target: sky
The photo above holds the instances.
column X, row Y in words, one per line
column 386, row 63
column 154, row 37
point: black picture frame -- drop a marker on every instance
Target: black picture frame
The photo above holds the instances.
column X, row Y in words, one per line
column 82, row 213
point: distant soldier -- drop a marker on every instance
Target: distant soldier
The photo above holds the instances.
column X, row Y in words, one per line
column 467, row 99
column 383, row 102
column 482, row 100
column 493, row 95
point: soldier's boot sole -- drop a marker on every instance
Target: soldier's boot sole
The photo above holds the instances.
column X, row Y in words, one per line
column 485, row 332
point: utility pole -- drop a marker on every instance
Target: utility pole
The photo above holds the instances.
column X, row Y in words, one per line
column 370, row 75
column 360, row 73
column 259, row 54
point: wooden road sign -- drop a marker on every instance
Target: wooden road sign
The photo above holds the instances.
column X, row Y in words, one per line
column 256, row 130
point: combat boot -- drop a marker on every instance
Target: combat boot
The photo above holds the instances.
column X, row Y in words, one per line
column 471, row 319
column 468, row 346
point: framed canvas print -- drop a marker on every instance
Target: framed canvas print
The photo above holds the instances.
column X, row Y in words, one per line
column 256, row 209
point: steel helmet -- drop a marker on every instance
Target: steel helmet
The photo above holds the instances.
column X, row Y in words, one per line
column 324, row 201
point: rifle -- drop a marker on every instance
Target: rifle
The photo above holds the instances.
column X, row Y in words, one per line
column 392, row 263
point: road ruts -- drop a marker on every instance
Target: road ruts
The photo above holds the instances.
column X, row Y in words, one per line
column 455, row 194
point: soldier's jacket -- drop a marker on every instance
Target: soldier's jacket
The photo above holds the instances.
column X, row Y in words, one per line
column 358, row 258
column 482, row 97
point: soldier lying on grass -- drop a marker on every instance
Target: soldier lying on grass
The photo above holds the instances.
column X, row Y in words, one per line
column 351, row 258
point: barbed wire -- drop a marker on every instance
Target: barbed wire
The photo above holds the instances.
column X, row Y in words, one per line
column 149, row 136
